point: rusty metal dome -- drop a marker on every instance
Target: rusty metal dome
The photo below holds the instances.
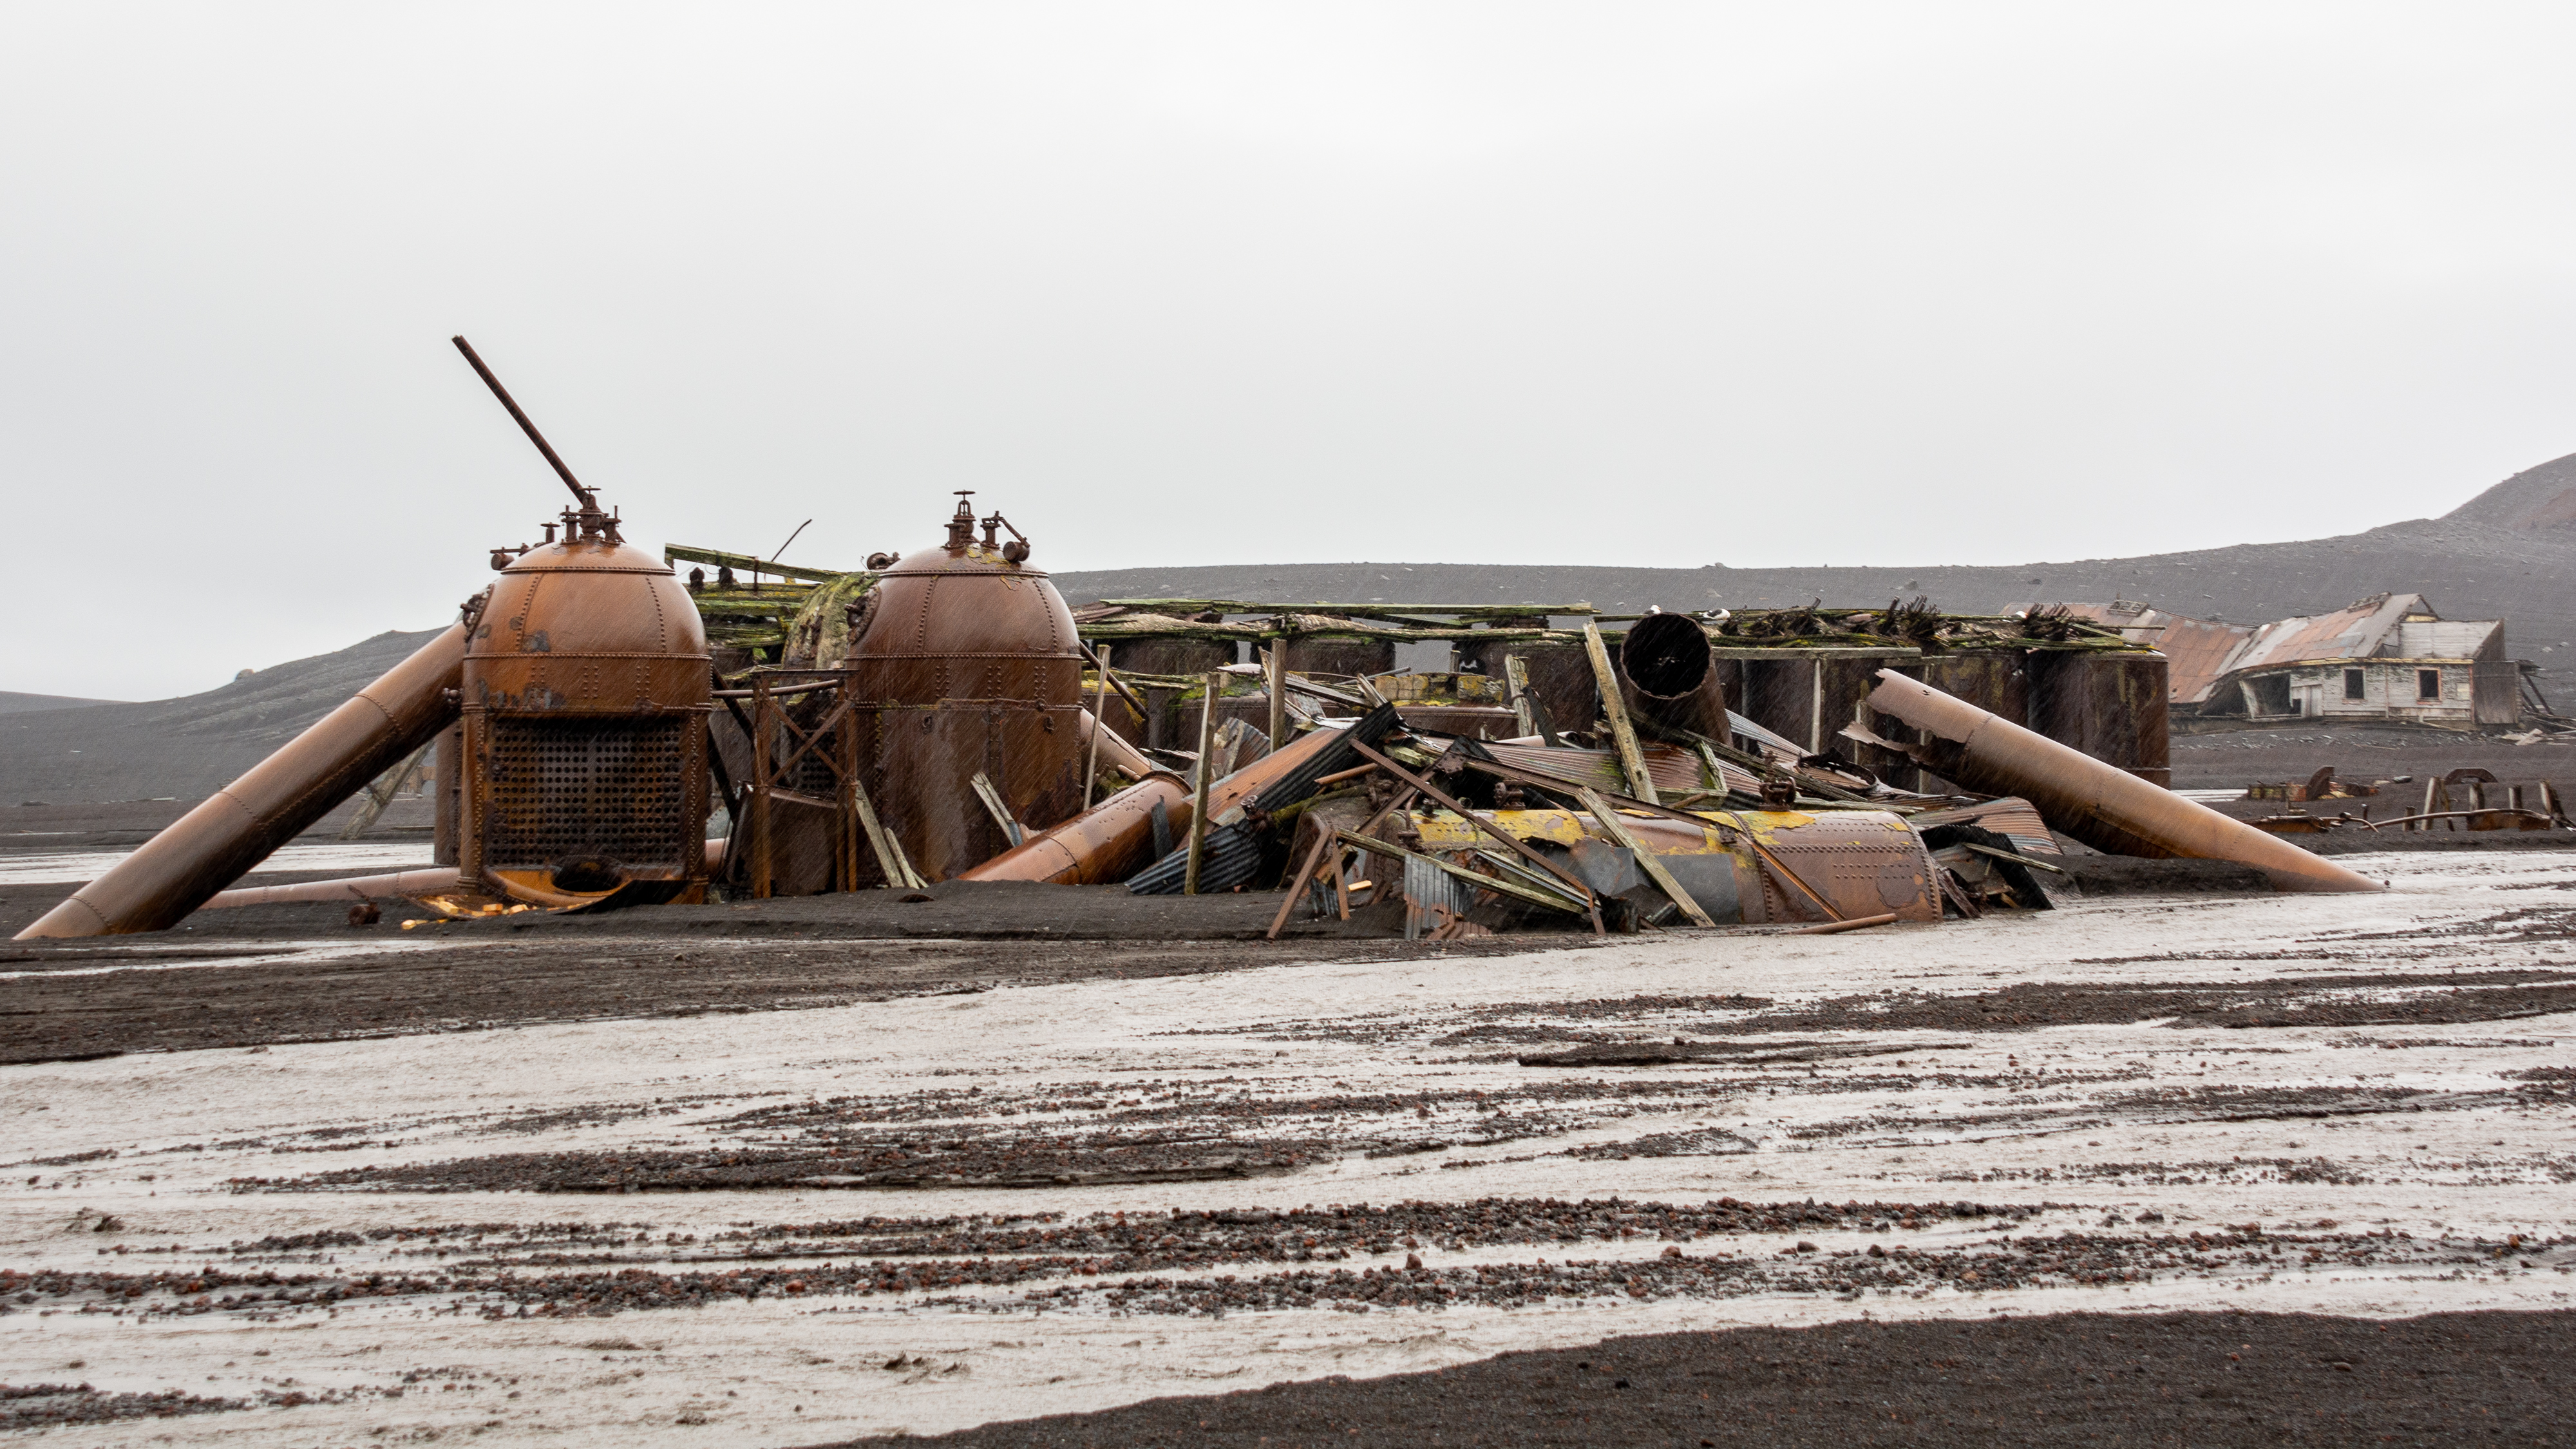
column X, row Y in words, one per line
column 962, row 604
column 963, row 661
column 603, row 602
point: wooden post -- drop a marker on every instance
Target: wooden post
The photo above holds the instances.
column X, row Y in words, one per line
column 1278, row 661
column 1516, row 684
column 846, row 750
column 1199, row 791
column 760, row 864
column 1297, row 883
column 1632, row 760
column 1099, row 722
column 890, row 861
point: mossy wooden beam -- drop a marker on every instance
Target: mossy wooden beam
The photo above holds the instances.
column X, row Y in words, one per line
column 1355, row 611
column 676, row 553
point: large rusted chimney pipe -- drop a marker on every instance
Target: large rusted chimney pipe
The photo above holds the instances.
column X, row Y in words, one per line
column 242, row 824
column 1668, row 674
column 2104, row 806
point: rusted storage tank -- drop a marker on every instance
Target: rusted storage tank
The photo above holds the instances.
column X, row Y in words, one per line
column 585, row 700
column 964, row 659
column 2111, row 704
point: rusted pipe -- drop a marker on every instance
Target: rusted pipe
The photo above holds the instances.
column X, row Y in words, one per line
column 1115, row 839
column 407, row 883
column 1859, row 924
column 1102, row 846
column 241, row 825
column 401, row 884
column 1668, row 675
column 1115, row 751
column 2104, row 806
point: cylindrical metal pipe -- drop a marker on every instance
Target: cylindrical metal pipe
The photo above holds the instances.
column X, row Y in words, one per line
column 213, row 845
column 1102, row 846
column 1115, row 839
column 1668, row 675
column 2103, row 806
column 1114, row 751
column 406, row 883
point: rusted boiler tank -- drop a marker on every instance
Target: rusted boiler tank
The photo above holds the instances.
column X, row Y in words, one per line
column 965, row 660
column 586, row 691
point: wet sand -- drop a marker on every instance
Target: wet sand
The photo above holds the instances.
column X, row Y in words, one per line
column 807, row 1184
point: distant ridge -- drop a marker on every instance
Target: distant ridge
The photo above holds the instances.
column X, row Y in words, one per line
column 12, row 702
column 188, row 747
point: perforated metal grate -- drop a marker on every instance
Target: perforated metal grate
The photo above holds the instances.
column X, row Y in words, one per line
column 587, row 789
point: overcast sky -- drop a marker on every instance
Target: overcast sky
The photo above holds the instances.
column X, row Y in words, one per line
column 1758, row 284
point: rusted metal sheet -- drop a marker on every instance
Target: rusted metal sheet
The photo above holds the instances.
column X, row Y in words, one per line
column 1333, row 655
column 586, row 691
column 1276, row 781
column 964, row 659
column 2109, row 704
column 212, row 845
column 1808, row 695
column 2105, row 807
column 1862, row 862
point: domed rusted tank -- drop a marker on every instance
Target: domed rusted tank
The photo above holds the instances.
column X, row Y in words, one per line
column 585, row 702
column 964, row 659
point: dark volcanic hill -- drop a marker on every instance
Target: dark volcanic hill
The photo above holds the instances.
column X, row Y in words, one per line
column 182, row 748
column 2508, row 553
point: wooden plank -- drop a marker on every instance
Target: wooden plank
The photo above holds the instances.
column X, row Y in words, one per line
column 1632, row 759
column 1516, row 683
column 1001, row 812
column 1646, row 860
column 1199, row 790
column 889, row 854
column 1277, row 659
column 1355, row 611
column 1297, row 883
column 742, row 563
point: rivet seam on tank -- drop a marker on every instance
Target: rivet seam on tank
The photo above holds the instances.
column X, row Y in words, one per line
column 661, row 625
column 921, row 618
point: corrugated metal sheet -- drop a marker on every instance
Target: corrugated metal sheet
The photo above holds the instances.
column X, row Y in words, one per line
column 2196, row 653
column 1232, row 857
column 2010, row 815
column 1429, row 891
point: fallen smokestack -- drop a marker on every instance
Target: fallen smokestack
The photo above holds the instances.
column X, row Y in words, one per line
column 2105, row 807
column 1668, row 674
column 241, row 825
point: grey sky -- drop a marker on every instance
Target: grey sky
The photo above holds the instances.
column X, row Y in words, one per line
column 1764, row 284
